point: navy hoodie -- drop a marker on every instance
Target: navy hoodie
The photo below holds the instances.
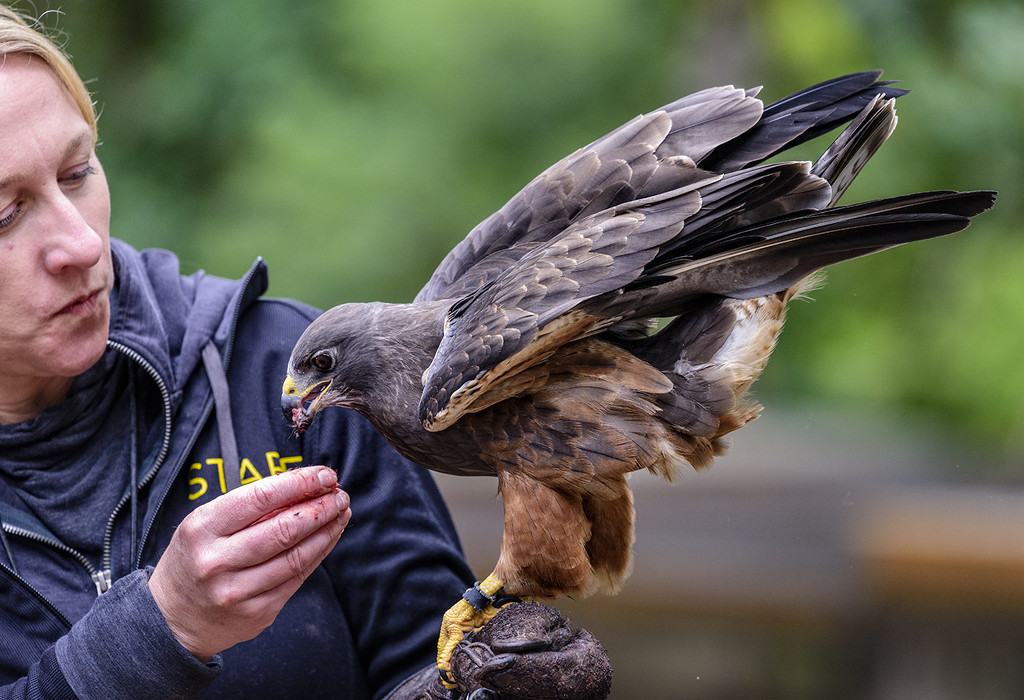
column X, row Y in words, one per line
column 145, row 419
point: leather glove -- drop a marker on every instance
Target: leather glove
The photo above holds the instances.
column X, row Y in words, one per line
column 527, row 651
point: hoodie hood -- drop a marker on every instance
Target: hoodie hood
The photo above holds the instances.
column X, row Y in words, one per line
column 171, row 333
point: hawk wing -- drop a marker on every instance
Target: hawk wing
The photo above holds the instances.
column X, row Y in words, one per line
column 633, row 162
column 527, row 293
column 721, row 129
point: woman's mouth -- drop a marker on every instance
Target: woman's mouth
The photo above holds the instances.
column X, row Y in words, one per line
column 82, row 307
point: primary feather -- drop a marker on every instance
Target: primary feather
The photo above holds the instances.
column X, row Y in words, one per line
column 530, row 354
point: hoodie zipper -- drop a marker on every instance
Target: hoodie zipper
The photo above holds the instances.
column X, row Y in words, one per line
column 35, row 591
column 59, row 546
column 103, row 578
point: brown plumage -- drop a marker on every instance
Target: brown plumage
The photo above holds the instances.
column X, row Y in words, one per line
column 531, row 354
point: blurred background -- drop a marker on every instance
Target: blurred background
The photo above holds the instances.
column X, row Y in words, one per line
column 865, row 537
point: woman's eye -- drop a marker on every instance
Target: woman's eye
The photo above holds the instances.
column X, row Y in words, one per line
column 9, row 215
column 77, row 176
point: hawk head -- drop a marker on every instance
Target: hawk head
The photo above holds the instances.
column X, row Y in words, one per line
column 329, row 365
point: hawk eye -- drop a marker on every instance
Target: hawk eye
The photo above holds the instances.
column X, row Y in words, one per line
column 323, row 361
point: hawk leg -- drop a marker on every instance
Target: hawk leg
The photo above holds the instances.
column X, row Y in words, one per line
column 478, row 605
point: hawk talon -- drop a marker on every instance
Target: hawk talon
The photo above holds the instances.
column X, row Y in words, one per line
column 477, row 652
column 501, row 599
column 473, row 611
column 448, row 682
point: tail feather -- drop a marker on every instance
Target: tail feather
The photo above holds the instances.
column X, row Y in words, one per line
column 845, row 158
column 769, row 257
column 800, row 117
column 746, row 197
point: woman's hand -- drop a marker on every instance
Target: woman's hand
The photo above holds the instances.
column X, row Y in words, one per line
column 233, row 563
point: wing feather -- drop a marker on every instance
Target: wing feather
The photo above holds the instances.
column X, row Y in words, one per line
column 645, row 157
column 599, row 255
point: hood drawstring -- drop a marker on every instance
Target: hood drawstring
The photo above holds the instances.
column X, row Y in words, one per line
column 134, row 463
column 217, row 377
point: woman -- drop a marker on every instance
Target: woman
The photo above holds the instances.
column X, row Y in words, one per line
column 131, row 399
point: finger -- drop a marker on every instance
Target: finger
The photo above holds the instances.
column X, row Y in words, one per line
column 268, row 595
column 268, row 516
column 241, row 507
column 282, row 574
column 280, row 532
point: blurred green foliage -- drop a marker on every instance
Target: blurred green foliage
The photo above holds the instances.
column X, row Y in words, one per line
column 352, row 143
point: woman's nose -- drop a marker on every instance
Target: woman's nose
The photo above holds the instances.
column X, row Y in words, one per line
column 72, row 242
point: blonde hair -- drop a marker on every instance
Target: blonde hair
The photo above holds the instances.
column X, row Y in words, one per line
column 17, row 35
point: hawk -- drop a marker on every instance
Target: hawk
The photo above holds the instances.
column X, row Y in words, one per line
column 611, row 317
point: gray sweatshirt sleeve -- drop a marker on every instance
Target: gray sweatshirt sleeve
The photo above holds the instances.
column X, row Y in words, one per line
column 123, row 648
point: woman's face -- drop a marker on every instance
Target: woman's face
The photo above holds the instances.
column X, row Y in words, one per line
column 55, row 266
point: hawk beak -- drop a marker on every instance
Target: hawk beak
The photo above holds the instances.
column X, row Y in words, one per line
column 300, row 407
